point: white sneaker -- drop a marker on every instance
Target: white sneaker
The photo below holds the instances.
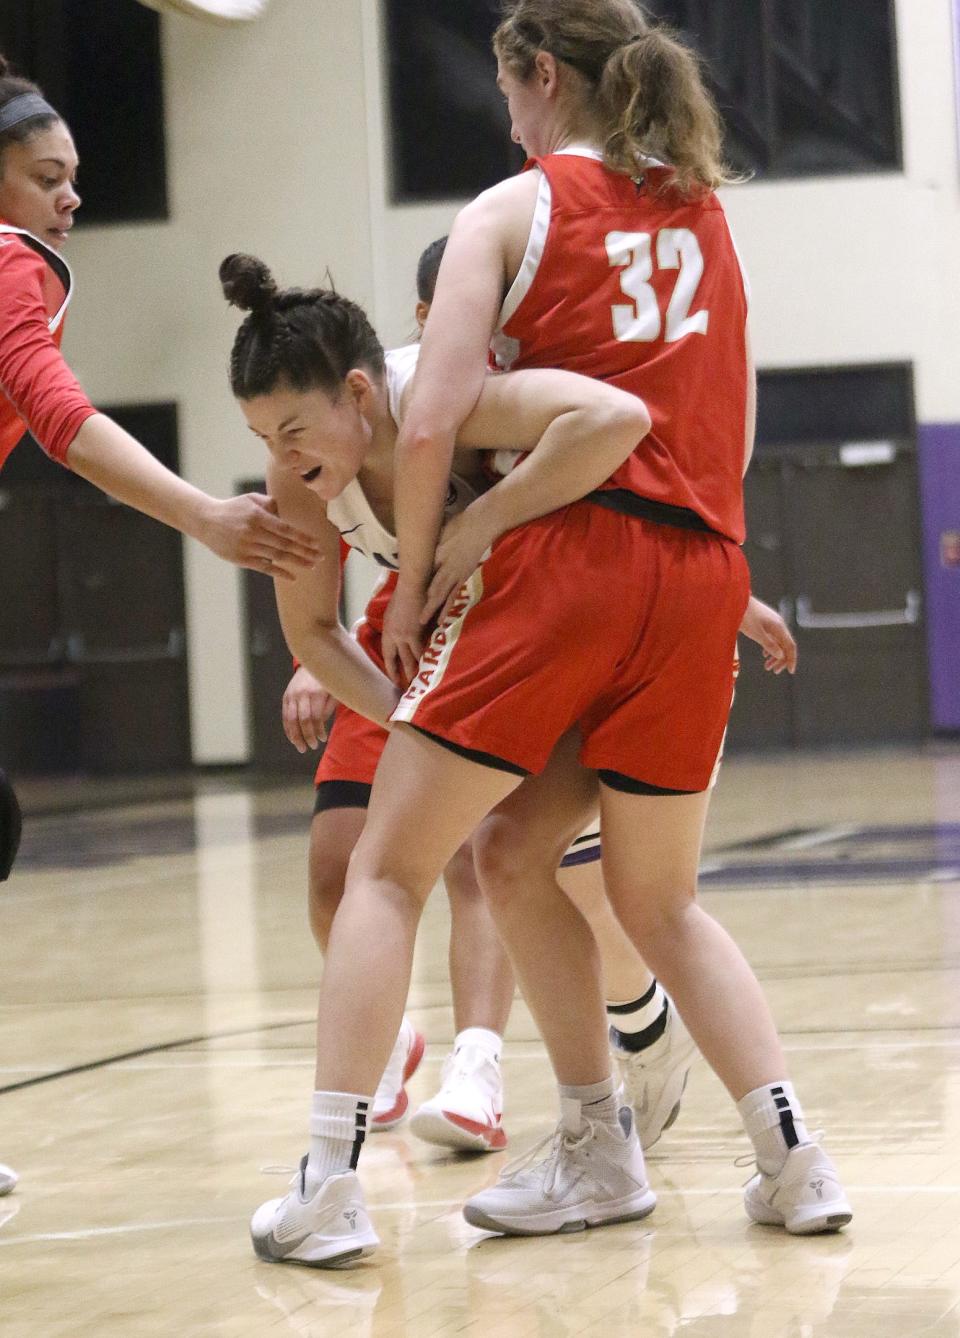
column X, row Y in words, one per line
column 805, row 1198
column 654, row 1079
column 390, row 1100
column 466, row 1112
column 592, row 1178
column 8, row 1178
column 325, row 1225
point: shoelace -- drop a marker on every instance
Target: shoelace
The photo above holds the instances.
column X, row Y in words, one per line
column 558, row 1142
column 465, row 1063
column 750, row 1158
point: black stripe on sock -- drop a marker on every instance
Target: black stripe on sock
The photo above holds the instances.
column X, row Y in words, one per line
column 360, row 1133
column 788, row 1129
column 619, row 1010
column 635, row 1041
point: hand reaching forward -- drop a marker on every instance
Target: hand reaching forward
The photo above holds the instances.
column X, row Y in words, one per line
column 247, row 530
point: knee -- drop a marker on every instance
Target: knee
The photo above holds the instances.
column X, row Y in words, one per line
column 654, row 914
column 460, row 876
column 325, row 883
column 507, row 862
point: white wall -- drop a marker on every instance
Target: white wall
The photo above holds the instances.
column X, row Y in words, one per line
column 276, row 144
column 843, row 269
column 266, row 145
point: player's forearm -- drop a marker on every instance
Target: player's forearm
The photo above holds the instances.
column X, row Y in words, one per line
column 116, row 463
column 423, row 461
column 579, row 451
column 332, row 656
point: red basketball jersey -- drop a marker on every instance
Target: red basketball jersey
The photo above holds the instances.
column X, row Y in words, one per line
column 644, row 291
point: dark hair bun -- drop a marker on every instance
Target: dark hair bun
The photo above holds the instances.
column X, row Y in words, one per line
column 247, row 283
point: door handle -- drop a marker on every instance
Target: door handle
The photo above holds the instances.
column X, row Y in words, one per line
column 905, row 617
column 173, row 649
column 55, row 653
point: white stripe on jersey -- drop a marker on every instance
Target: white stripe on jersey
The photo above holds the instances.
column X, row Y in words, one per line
column 56, row 262
column 526, row 274
column 436, row 657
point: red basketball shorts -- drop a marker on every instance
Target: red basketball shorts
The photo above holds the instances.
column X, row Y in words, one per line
column 621, row 626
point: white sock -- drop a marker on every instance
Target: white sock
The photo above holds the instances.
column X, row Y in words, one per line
column 487, row 1041
column 338, row 1126
column 640, row 1023
column 774, row 1123
column 599, row 1101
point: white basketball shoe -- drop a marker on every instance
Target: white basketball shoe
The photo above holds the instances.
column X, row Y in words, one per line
column 593, row 1177
column 320, row 1223
column 8, row 1179
column 654, row 1079
column 390, row 1100
column 466, row 1112
column 805, row 1198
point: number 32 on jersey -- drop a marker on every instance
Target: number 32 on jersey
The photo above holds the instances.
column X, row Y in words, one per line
column 640, row 321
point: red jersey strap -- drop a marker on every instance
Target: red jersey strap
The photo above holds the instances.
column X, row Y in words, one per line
column 59, row 266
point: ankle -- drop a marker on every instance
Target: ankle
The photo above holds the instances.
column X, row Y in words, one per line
column 338, row 1127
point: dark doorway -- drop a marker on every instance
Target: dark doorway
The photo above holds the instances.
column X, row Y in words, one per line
column 833, row 540
column 93, row 661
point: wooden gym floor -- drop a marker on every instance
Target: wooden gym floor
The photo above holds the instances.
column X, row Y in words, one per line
column 156, row 998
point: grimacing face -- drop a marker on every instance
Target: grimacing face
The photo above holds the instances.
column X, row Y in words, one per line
column 37, row 184
column 322, row 438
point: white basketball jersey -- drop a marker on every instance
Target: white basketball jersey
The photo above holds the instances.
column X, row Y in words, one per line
column 352, row 513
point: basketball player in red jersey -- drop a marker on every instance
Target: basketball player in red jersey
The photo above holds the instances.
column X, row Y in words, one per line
column 603, row 634
column 617, row 260
column 38, row 199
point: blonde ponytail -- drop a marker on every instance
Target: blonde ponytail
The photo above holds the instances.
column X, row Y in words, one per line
column 640, row 84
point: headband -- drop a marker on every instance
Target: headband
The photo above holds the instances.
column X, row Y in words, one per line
column 24, row 107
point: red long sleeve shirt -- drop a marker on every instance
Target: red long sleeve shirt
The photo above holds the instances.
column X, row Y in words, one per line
column 37, row 389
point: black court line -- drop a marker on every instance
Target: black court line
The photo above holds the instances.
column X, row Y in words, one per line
column 147, row 1050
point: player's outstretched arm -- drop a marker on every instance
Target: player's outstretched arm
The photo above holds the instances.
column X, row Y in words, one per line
column 245, row 530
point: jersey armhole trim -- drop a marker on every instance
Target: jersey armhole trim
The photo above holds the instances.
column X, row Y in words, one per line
column 536, row 244
column 59, row 266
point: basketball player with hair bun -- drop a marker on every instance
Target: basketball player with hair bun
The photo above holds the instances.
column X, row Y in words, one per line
column 652, row 1050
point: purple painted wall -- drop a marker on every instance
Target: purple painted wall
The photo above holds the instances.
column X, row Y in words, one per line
column 939, row 464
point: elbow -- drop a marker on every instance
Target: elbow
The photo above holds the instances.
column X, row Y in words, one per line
column 428, row 439
column 628, row 423
column 640, row 420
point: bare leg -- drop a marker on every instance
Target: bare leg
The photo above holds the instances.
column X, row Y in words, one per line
column 552, row 949
column 480, row 971
column 651, row 850
column 625, row 974
column 389, row 879
column 333, row 834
